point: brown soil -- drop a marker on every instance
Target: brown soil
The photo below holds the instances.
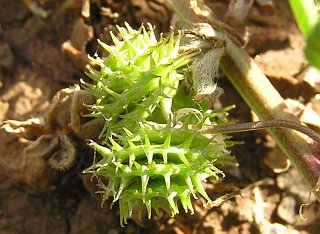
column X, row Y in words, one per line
column 42, row 55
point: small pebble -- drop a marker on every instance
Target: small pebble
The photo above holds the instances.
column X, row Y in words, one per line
column 286, row 209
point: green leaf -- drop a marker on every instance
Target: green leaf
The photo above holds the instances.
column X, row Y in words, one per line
column 305, row 13
column 312, row 49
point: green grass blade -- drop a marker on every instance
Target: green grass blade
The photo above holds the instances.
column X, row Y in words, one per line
column 305, row 13
column 312, row 49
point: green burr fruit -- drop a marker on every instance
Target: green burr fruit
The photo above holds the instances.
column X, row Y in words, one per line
column 153, row 153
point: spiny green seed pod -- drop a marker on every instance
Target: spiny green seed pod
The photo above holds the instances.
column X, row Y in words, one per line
column 139, row 75
column 159, row 166
column 153, row 154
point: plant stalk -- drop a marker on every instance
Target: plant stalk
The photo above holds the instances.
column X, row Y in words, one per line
column 266, row 102
column 253, row 126
column 260, row 96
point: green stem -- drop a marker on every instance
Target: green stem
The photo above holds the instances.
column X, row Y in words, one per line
column 261, row 97
column 266, row 102
column 253, row 126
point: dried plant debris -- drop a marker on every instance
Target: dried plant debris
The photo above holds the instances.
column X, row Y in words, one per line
column 202, row 75
column 59, row 149
column 29, row 129
column 75, row 48
column 52, row 135
column 85, row 128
